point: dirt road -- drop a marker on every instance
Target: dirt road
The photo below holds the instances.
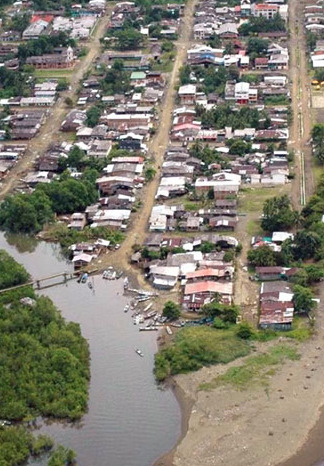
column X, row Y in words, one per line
column 303, row 185
column 48, row 132
column 157, row 147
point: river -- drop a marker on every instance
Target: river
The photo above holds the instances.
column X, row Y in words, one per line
column 130, row 420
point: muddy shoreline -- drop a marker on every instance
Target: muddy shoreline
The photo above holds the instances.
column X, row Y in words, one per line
column 287, row 418
column 186, row 405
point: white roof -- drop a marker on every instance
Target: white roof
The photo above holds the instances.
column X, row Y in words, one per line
column 82, row 257
column 281, row 236
column 162, row 270
column 242, row 87
column 187, row 89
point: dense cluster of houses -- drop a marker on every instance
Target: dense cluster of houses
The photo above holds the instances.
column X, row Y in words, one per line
column 201, row 276
column 314, row 24
column 127, row 11
column 9, row 155
column 276, row 293
column 185, row 177
column 43, row 95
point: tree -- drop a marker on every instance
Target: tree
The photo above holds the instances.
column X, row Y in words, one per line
column 150, row 173
column 20, row 22
column 303, row 299
column 238, row 146
column 116, row 80
column 262, row 256
column 171, row 310
column 184, row 74
column 227, row 313
column 129, row 39
column 62, row 84
column 318, row 133
column 93, row 116
column 75, row 157
column 315, row 273
column 278, row 214
column 257, row 46
column 306, row 244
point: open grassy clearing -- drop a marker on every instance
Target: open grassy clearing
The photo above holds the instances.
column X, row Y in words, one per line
column 252, row 199
column 54, row 74
column 256, row 370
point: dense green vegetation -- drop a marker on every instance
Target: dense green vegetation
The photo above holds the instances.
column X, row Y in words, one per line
column 44, row 363
column 13, row 83
column 195, row 347
column 17, row 444
column 27, row 213
column 210, row 80
column 223, row 115
column 278, row 214
column 261, row 24
column 11, row 273
column 207, row 155
column 44, row 44
column 46, row 5
column 44, row 368
column 116, row 80
column 318, row 142
column 65, row 236
column 171, row 310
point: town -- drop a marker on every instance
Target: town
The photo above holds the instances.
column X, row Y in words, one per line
column 178, row 143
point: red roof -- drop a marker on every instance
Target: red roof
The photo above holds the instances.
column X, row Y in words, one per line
column 276, row 313
column 204, row 273
column 128, row 160
column 261, row 61
column 186, row 126
column 262, row 6
column 209, row 287
column 270, row 270
column 47, row 18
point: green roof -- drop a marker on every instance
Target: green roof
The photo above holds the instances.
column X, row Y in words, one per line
column 138, row 75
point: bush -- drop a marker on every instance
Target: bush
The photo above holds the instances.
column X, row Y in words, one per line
column 245, row 331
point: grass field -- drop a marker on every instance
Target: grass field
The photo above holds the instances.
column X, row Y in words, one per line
column 256, row 369
column 252, row 199
column 52, row 74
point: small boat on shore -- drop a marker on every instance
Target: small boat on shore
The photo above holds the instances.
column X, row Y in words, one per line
column 168, row 330
column 109, row 274
column 144, row 298
column 84, row 278
column 149, row 328
column 139, row 352
column 148, row 307
column 126, row 308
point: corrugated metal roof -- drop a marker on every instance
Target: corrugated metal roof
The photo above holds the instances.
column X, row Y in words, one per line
column 209, row 286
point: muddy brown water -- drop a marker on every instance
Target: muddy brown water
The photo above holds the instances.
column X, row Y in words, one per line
column 131, row 421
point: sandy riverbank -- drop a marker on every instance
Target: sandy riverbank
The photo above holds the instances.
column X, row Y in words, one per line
column 259, row 426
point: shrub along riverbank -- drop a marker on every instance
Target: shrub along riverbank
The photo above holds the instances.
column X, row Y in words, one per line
column 44, row 366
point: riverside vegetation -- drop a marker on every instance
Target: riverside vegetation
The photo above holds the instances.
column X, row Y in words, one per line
column 44, row 368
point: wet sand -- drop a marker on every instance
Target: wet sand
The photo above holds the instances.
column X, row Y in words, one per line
column 257, row 427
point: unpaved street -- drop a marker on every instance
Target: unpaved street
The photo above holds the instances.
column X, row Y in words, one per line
column 300, row 130
column 157, row 147
column 48, row 132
